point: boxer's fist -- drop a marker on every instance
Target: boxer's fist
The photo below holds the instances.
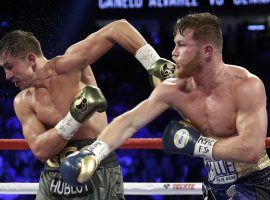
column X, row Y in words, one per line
column 156, row 66
column 182, row 138
column 78, row 168
column 85, row 103
column 162, row 69
column 89, row 100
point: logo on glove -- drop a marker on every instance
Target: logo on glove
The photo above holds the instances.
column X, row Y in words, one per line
column 81, row 103
column 181, row 138
column 167, row 70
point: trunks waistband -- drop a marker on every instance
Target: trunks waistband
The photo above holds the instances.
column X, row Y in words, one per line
column 53, row 163
column 224, row 172
column 244, row 169
column 255, row 175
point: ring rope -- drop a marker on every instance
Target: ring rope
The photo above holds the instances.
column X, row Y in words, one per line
column 132, row 143
column 129, row 188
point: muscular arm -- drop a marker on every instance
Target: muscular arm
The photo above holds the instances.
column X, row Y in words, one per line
column 43, row 143
column 88, row 77
column 124, row 126
column 97, row 44
column 251, row 123
column 79, row 167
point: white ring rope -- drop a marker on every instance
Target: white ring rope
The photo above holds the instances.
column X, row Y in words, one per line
column 129, row 188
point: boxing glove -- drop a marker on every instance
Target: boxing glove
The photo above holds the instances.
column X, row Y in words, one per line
column 162, row 69
column 156, row 66
column 85, row 103
column 182, row 138
column 78, row 168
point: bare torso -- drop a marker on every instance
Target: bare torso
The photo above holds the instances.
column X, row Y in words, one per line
column 51, row 101
column 213, row 113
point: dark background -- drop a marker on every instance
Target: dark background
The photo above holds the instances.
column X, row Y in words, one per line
column 124, row 82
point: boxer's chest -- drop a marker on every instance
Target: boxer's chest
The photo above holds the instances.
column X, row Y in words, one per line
column 214, row 115
column 49, row 107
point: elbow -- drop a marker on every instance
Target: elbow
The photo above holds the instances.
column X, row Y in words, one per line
column 253, row 159
column 252, row 149
column 117, row 26
column 40, row 155
column 120, row 22
column 252, row 155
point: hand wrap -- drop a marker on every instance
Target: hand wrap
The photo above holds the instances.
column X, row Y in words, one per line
column 156, row 66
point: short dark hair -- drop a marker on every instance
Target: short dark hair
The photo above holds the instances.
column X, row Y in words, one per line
column 19, row 43
column 205, row 26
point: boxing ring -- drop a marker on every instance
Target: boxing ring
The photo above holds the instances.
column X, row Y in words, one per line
column 129, row 188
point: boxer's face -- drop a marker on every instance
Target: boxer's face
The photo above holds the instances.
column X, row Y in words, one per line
column 17, row 70
column 186, row 54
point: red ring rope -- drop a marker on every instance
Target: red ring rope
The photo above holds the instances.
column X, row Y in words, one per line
column 132, row 143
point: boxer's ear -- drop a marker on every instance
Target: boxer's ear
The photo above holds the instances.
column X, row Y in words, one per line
column 31, row 58
column 208, row 50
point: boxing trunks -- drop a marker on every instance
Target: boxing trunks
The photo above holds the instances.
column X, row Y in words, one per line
column 237, row 181
column 106, row 183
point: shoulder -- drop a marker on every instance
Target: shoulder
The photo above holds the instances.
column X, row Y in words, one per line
column 247, row 80
column 250, row 88
column 55, row 62
column 166, row 90
column 61, row 63
column 251, row 85
column 236, row 72
column 243, row 77
column 168, row 85
column 23, row 100
column 172, row 84
column 24, row 95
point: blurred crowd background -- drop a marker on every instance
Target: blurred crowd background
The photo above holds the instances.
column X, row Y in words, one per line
column 124, row 82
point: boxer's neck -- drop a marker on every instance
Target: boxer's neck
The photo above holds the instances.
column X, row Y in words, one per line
column 42, row 72
column 209, row 77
